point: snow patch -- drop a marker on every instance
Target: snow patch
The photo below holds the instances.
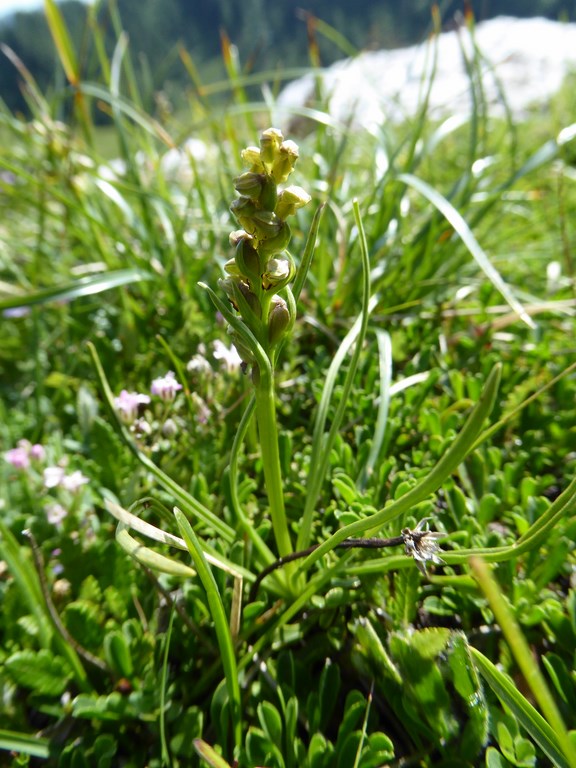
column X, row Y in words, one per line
column 524, row 59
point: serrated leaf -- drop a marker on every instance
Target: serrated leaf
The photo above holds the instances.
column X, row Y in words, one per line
column 39, row 671
column 84, row 619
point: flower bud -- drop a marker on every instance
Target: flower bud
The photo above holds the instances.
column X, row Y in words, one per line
column 270, row 141
column 278, row 273
column 237, row 235
column 276, row 243
column 231, row 268
column 269, row 197
column 169, row 428
column 265, row 224
column 289, row 200
column 227, row 285
column 246, row 354
column 250, row 298
column 251, row 156
column 240, row 295
column 246, row 259
column 284, row 161
column 166, row 387
column 279, row 320
column 250, row 184
column 243, row 209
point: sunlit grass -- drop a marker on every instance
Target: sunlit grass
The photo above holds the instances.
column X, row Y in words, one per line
column 449, row 254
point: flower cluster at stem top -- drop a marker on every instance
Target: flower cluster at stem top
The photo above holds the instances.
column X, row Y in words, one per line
column 262, row 266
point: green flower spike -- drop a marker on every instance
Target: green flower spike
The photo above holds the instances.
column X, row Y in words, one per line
column 257, row 286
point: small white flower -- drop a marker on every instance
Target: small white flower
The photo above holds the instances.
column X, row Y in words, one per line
column 74, row 481
column 55, row 513
column 229, row 356
column 199, row 364
column 53, row 476
column 56, row 477
column 422, row 545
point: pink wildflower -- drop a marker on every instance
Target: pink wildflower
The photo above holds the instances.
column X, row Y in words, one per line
column 18, row 457
column 37, row 452
column 127, row 404
column 166, row 387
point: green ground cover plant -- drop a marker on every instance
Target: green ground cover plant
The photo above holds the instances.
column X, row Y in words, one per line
column 347, row 540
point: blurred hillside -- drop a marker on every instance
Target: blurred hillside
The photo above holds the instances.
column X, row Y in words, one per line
column 267, row 35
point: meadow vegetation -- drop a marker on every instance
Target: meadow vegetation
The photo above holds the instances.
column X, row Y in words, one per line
column 151, row 478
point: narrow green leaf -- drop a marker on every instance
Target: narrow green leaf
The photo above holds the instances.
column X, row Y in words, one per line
column 35, row 746
column 157, row 534
column 220, row 622
column 62, row 41
column 465, row 233
column 28, row 583
column 149, row 557
column 323, row 441
column 306, row 260
column 84, row 286
column 528, row 717
column 209, row 754
column 385, row 363
column 524, row 658
column 449, row 462
column 127, row 108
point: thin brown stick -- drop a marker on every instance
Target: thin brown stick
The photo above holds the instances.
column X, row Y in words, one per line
column 55, row 616
column 346, row 544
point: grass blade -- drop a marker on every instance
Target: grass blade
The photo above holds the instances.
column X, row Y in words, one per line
column 528, row 717
column 62, row 42
column 190, row 504
column 220, row 622
column 85, row 286
column 522, row 653
column 443, row 469
column 34, row 746
column 131, row 521
column 462, row 229
column 385, row 360
column 322, row 441
column 149, row 557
